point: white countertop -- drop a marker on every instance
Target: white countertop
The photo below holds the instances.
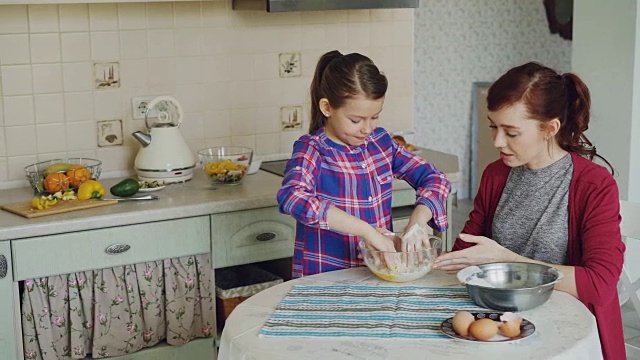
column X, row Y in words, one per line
column 192, row 198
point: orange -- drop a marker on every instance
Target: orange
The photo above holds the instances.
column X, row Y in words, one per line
column 78, row 174
column 56, row 182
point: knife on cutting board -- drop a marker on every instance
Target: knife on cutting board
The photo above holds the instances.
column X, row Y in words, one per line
column 133, row 198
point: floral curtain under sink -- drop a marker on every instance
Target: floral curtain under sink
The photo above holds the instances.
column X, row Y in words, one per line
column 118, row 310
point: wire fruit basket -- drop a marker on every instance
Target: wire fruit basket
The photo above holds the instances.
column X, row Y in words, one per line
column 38, row 172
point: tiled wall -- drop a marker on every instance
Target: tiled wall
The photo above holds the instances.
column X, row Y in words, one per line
column 461, row 42
column 221, row 64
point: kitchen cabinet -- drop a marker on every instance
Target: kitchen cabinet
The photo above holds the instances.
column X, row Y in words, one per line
column 316, row 5
column 103, row 248
column 97, row 249
column 9, row 307
column 250, row 236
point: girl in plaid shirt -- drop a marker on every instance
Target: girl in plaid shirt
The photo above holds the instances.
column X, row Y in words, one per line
column 337, row 184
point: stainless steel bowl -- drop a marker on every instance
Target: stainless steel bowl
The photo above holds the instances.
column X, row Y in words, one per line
column 509, row 286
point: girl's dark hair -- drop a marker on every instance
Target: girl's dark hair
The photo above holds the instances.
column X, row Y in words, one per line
column 340, row 77
column 548, row 95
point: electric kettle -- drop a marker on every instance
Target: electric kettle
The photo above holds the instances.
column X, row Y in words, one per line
column 164, row 155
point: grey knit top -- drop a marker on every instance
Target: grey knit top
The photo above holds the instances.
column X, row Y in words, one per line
column 532, row 216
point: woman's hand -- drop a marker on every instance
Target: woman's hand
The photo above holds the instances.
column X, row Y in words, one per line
column 485, row 251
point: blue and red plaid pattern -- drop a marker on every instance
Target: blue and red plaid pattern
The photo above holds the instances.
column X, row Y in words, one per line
column 357, row 179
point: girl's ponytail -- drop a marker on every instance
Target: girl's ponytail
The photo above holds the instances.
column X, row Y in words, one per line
column 317, row 118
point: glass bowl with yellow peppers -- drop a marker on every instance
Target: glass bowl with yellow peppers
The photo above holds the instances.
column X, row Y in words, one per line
column 226, row 164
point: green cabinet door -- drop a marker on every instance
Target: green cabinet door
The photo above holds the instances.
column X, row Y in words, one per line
column 9, row 307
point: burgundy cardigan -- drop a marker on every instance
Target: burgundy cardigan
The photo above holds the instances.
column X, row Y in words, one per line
column 595, row 246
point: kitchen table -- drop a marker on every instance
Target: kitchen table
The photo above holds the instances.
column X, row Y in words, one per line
column 565, row 329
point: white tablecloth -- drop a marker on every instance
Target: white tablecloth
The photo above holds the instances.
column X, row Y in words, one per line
column 565, row 329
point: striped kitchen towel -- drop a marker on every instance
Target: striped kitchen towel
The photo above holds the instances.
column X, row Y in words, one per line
column 412, row 312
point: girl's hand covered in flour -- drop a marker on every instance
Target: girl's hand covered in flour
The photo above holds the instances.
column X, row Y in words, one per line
column 415, row 239
column 382, row 240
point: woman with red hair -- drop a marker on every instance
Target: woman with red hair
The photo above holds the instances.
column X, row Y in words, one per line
column 545, row 201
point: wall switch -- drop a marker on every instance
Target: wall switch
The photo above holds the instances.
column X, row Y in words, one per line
column 110, row 133
column 139, row 106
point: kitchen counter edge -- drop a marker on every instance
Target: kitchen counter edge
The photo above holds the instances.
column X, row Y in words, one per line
column 196, row 197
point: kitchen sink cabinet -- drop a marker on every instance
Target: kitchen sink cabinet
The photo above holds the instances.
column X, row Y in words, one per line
column 102, row 248
column 97, row 249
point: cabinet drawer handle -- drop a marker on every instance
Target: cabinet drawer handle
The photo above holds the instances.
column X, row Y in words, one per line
column 117, row 249
column 266, row 236
column 3, row 266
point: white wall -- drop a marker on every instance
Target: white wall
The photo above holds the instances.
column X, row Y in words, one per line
column 606, row 44
column 222, row 65
column 604, row 55
column 461, row 42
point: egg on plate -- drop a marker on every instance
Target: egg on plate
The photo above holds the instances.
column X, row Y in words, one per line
column 461, row 322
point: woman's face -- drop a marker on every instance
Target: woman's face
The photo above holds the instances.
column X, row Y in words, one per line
column 352, row 123
column 519, row 139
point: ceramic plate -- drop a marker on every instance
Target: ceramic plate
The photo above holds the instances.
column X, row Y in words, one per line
column 152, row 189
column 526, row 328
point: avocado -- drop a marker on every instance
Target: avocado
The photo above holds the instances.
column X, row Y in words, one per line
column 126, row 187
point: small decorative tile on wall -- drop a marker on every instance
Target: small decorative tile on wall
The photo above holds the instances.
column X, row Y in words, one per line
column 107, row 75
column 110, row 133
column 291, row 117
column 290, row 65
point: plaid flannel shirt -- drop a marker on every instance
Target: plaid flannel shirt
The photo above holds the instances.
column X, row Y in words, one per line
column 357, row 180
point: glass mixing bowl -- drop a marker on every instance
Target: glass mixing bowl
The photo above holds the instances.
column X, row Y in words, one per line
column 401, row 266
column 226, row 164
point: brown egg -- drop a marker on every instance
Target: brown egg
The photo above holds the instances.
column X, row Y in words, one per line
column 483, row 329
column 510, row 328
column 461, row 321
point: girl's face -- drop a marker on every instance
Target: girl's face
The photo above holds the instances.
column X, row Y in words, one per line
column 520, row 140
column 352, row 123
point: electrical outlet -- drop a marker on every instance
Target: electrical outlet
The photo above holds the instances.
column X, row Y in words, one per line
column 139, row 106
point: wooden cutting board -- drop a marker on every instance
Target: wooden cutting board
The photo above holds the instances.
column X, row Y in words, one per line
column 24, row 208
